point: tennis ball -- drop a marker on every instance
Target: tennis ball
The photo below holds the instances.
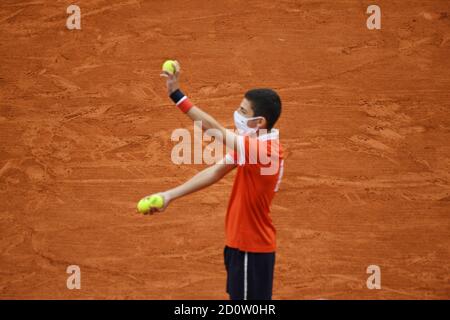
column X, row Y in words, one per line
column 171, row 66
column 153, row 201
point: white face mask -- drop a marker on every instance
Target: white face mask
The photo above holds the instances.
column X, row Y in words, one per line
column 241, row 124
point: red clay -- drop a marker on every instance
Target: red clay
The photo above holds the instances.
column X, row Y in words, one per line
column 85, row 129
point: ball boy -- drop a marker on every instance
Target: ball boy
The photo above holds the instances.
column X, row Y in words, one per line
column 249, row 253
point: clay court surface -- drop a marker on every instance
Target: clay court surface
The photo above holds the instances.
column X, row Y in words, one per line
column 85, row 127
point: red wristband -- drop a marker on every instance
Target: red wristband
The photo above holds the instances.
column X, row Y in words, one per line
column 185, row 104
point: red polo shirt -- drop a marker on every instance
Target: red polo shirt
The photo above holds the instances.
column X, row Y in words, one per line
column 248, row 225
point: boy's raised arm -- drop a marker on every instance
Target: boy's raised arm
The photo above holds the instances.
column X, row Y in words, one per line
column 228, row 137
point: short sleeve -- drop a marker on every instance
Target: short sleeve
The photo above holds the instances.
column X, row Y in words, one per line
column 231, row 158
column 247, row 150
column 251, row 150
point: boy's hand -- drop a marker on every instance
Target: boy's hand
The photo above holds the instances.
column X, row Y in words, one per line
column 172, row 79
column 166, row 203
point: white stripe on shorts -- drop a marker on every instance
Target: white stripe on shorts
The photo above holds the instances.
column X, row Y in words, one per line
column 245, row 275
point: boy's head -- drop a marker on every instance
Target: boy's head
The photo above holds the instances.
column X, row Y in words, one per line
column 261, row 108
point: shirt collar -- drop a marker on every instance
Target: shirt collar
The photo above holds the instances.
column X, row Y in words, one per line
column 272, row 135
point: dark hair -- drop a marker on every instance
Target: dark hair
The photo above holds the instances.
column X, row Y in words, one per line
column 265, row 103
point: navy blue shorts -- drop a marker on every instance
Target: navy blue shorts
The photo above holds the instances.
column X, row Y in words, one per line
column 249, row 275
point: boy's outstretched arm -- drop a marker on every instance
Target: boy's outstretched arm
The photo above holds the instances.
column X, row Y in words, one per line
column 201, row 180
column 195, row 113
